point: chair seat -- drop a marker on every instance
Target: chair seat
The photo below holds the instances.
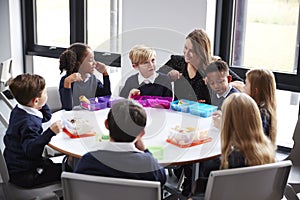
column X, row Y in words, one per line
column 52, row 191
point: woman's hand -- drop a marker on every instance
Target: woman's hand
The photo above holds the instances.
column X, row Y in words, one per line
column 174, row 74
column 72, row 78
column 101, row 67
column 134, row 92
column 238, row 85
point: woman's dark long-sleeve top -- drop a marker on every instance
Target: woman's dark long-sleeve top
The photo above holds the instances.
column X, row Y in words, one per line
column 194, row 88
column 25, row 140
column 93, row 87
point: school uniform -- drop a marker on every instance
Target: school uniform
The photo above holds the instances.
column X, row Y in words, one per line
column 156, row 85
column 217, row 100
column 121, row 160
column 91, row 87
column 24, row 145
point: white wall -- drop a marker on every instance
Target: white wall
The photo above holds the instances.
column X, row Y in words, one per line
column 11, row 34
column 16, row 37
column 162, row 25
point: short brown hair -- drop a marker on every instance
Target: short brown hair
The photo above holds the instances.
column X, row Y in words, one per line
column 126, row 120
column 25, row 87
column 217, row 66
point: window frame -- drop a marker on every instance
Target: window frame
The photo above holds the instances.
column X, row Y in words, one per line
column 78, row 32
column 223, row 46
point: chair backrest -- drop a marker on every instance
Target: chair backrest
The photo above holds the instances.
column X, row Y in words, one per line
column 256, row 182
column 53, row 99
column 5, row 72
column 80, row 186
column 7, row 109
column 294, row 154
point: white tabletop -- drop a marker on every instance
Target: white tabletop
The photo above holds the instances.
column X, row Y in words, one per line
column 159, row 123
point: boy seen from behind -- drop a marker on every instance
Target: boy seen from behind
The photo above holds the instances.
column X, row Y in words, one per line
column 124, row 155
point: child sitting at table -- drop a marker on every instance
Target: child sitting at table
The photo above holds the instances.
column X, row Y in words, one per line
column 261, row 86
column 124, row 155
column 147, row 82
column 218, row 79
column 243, row 142
column 79, row 63
column 24, row 139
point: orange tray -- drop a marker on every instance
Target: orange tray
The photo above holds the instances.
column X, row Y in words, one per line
column 71, row 135
column 190, row 145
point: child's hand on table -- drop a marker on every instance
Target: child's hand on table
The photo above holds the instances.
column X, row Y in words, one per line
column 217, row 117
column 134, row 92
column 56, row 127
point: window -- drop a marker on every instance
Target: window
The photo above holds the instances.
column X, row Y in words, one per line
column 99, row 24
column 53, row 23
column 50, row 26
column 260, row 33
column 264, row 34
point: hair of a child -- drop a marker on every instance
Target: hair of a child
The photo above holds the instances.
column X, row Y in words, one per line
column 72, row 57
column 263, row 91
column 141, row 53
column 126, row 119
column 241, row 129
column 201, row 45
column 25, row 87
column 218, row 66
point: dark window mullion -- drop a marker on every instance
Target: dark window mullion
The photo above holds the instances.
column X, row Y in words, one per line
column 29, row 32
column 223, row 27
column 78, row 21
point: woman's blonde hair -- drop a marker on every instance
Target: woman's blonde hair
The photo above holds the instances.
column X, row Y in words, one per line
column 242, row 129
column 262, row 90
column 141, row 53
column 201, row 45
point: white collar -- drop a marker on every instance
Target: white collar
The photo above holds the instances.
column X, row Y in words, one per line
column 87, row 77
column 225, row 94
column 151, row 79
column 32, row 111
column 118, row 146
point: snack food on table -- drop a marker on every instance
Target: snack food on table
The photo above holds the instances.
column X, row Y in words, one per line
column 76, row 128
column 187, row 135
column 83, row 98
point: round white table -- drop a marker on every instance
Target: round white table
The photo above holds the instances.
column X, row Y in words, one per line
column 159, row 122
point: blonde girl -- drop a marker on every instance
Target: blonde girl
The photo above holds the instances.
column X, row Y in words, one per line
column 243, row 141
column 261, row 86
